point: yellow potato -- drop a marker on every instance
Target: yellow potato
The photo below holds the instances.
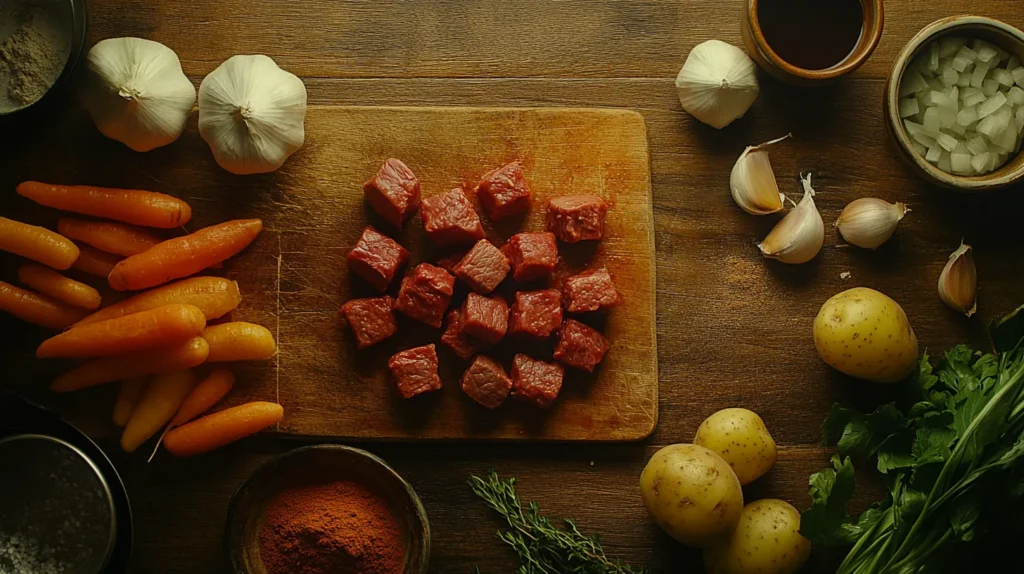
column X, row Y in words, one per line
column 865, row 334
column 741, row 439
column 691, row 493
column 766, row 541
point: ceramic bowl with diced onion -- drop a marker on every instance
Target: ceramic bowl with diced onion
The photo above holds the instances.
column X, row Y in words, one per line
column 954, row 103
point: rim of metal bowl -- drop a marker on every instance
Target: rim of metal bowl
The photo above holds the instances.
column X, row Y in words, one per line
column 108, row 493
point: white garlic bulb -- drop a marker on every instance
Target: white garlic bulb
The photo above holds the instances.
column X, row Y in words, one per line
column 958, row 282
column 800, row 235
column 752, row 181
column 136, row 92
column 869, row 222
column 251, row 114
column 717, row 84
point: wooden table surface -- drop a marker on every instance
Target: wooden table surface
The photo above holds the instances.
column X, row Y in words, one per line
column 733, row 329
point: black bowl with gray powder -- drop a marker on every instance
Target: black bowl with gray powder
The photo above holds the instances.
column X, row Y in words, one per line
column 41, row 43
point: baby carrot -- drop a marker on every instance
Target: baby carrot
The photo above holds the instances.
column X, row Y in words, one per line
column 207, row 393
column 127, row 398
column 184, row 256
column 214, row 296
column 221, row 428
column 95, row 262
column 56, row 286
column 160, row 327
column 37, row 243
column 116, row 238
column 109, row 369
column 35, row 308
column 238, row 341
column 145, row 208
column 163, row 398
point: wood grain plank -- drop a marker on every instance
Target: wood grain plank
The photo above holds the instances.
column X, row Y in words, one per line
column 472, row 38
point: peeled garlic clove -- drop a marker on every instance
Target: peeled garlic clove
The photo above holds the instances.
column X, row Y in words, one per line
column 869, row 222
column 752, row 181
column 800, row 235
column 251, row 113
column 958, row 282
column 717, row 84
column 136, row 93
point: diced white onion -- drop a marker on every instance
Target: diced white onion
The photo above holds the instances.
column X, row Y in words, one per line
column 962, row 104
column 909, row 107
column 1003, row 76
column 991, row 105
column 1015, row 96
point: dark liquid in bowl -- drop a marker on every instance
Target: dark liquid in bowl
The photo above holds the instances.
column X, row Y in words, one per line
column 811, row 34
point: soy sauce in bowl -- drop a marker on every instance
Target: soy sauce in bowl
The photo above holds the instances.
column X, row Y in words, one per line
column 812, row 34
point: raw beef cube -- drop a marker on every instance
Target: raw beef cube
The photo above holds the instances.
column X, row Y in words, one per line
column 485, row 318
column 371, row 320
column 377, row 258
column 463, row 345
column 536, row 313
column 589, row 291
column 576, row 218
column 394, row 193
column 503, row 192
column 486, row 382
column 580, row 346
column 415, row 371
column 532, row 255
column 536, row 381
column 425, row 294
column 483, row 268
column 450, row 220
column 448, row 262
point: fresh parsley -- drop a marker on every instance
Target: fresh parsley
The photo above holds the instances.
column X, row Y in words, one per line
column 951, row 457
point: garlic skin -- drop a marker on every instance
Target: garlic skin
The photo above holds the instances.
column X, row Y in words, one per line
column 136, row 93
column 800, row 235
column 752, row 181
column 717, row 84
column 252, row 114
column 869, row 222
column 958, row 282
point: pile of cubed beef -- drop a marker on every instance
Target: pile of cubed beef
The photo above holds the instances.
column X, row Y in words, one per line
column 484, row 319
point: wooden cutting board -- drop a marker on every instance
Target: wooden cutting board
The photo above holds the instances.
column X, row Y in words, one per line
column 294, row 278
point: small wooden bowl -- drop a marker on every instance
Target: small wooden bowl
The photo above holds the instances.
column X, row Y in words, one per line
column 322, row 463
column 993, row 31
column 762, row 53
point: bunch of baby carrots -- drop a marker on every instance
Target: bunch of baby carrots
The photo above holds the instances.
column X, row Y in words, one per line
column 150, row 341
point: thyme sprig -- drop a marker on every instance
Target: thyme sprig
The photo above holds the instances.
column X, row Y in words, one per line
column 543, row 548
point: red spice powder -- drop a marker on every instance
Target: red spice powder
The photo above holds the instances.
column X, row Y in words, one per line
column 330, row 528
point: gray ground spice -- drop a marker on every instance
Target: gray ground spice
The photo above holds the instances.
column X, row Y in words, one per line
column 32, row 56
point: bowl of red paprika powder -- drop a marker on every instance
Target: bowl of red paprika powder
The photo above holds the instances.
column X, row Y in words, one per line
column 326, row 509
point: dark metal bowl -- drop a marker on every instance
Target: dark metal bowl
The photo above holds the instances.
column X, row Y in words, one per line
column 19, row 417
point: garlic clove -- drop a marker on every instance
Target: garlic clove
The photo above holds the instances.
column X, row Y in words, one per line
column 958, row 282
column 136, row 92
column 252, row 114
column 869, row 222
column 752, row 181
column 800, row 234
column 717, row 84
